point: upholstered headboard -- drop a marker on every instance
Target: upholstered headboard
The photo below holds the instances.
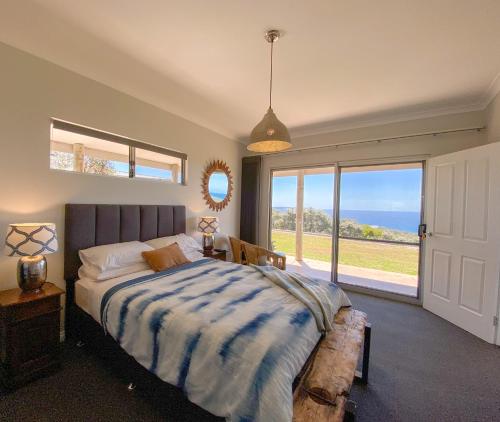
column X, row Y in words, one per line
column 88, row 225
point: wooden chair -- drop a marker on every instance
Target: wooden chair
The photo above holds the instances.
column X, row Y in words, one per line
column 236, row 250
column 245, row 253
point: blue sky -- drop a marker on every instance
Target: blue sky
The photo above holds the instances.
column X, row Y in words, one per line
column 391, row 190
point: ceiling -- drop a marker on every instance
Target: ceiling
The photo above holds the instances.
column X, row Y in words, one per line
column 351, row 62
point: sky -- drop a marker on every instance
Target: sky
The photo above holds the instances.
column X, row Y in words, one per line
column 390, row 190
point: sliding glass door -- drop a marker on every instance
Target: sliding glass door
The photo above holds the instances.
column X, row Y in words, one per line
column 371, row 242
column 380, row 213
column 302, row 218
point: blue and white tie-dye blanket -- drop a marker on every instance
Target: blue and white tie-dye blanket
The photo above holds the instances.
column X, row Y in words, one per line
column 224, row 333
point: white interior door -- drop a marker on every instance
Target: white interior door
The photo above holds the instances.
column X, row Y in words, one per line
column 462, row 249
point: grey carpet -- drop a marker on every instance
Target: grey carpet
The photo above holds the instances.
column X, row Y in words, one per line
column 422, row 369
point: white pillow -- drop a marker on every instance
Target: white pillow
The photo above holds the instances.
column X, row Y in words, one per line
column 161, row 242
column 189, row 247
column 188, row 242
column 185, row 242
column 91, row 274
column 105, row 261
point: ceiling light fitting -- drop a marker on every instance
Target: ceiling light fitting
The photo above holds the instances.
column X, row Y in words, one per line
column 270, row 135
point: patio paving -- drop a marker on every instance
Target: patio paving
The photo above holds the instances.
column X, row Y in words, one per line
column 357, row 276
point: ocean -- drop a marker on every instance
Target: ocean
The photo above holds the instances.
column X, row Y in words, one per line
column 405, row 221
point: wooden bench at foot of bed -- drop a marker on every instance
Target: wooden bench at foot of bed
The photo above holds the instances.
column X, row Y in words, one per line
column 323, row 391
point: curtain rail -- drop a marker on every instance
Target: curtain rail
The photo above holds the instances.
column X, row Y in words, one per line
column 378, row 140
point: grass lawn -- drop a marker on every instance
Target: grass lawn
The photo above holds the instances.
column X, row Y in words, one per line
column 380, row 256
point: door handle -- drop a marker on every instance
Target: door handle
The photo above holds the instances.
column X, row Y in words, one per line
column 422, row 231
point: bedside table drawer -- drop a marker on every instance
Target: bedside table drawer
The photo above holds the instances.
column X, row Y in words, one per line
column 36, row 342
column 31, row 310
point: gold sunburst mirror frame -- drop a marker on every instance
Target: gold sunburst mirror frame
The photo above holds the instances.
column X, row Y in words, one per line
column 217, row 178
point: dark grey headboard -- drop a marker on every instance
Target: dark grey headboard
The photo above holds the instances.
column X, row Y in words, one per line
column 88, row 225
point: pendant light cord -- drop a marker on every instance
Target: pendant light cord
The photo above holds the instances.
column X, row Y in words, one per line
column 271, row 78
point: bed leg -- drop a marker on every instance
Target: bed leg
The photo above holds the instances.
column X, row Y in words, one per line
column 362, row 377
column 131, row 386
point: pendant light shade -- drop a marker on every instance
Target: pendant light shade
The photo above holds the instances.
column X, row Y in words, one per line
column 270, row 135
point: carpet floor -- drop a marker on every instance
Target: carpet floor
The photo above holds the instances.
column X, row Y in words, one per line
column 422, row 369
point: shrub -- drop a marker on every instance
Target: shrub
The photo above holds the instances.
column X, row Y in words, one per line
column 370, row 232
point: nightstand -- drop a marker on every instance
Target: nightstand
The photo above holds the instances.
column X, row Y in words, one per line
column 29, row 333
column 216, row 254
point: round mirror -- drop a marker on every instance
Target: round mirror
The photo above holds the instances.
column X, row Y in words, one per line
column 217, row 185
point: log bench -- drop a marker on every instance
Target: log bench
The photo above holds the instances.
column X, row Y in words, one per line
column 322, row 391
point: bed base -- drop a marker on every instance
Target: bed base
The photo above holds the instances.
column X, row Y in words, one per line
column 321, row 391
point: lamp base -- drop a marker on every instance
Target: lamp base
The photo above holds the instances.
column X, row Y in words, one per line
column 208, row 242
column 31, row 272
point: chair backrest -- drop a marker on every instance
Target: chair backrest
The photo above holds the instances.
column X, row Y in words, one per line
column 252, row 253
column 245, row 253
column 236, row 249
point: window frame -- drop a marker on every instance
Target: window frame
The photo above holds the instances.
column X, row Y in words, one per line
column 123, row 140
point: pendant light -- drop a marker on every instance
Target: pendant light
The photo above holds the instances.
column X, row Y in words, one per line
column 270, row 135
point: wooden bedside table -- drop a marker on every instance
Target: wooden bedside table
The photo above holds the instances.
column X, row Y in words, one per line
column 29, row 333
column 216, row 254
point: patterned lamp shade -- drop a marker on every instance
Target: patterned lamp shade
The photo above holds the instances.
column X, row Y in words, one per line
column 208, row 225
column 31, row 239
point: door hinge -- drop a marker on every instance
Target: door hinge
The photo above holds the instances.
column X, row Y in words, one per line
column 495, row 321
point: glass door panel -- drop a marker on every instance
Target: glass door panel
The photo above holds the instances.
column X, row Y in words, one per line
column 284, row 218
column 380, row 211
column 302, row 219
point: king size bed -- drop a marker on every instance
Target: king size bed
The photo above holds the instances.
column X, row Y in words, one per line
column 235, row 339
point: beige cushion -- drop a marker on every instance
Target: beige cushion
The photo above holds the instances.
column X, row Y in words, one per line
column 164, row 258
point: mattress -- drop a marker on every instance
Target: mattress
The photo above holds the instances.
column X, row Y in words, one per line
column 89, row 293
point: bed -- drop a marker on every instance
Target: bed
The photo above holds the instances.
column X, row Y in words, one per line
column 210, row 367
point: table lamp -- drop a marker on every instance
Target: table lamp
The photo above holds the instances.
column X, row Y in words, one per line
column 31, row 241
column 208, row 226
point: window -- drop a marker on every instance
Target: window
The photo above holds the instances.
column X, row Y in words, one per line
column 153, row 165
column 85, row 150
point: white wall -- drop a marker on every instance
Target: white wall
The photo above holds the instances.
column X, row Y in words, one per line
column 493, row 119
column 31, row 92
column 387, row 152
